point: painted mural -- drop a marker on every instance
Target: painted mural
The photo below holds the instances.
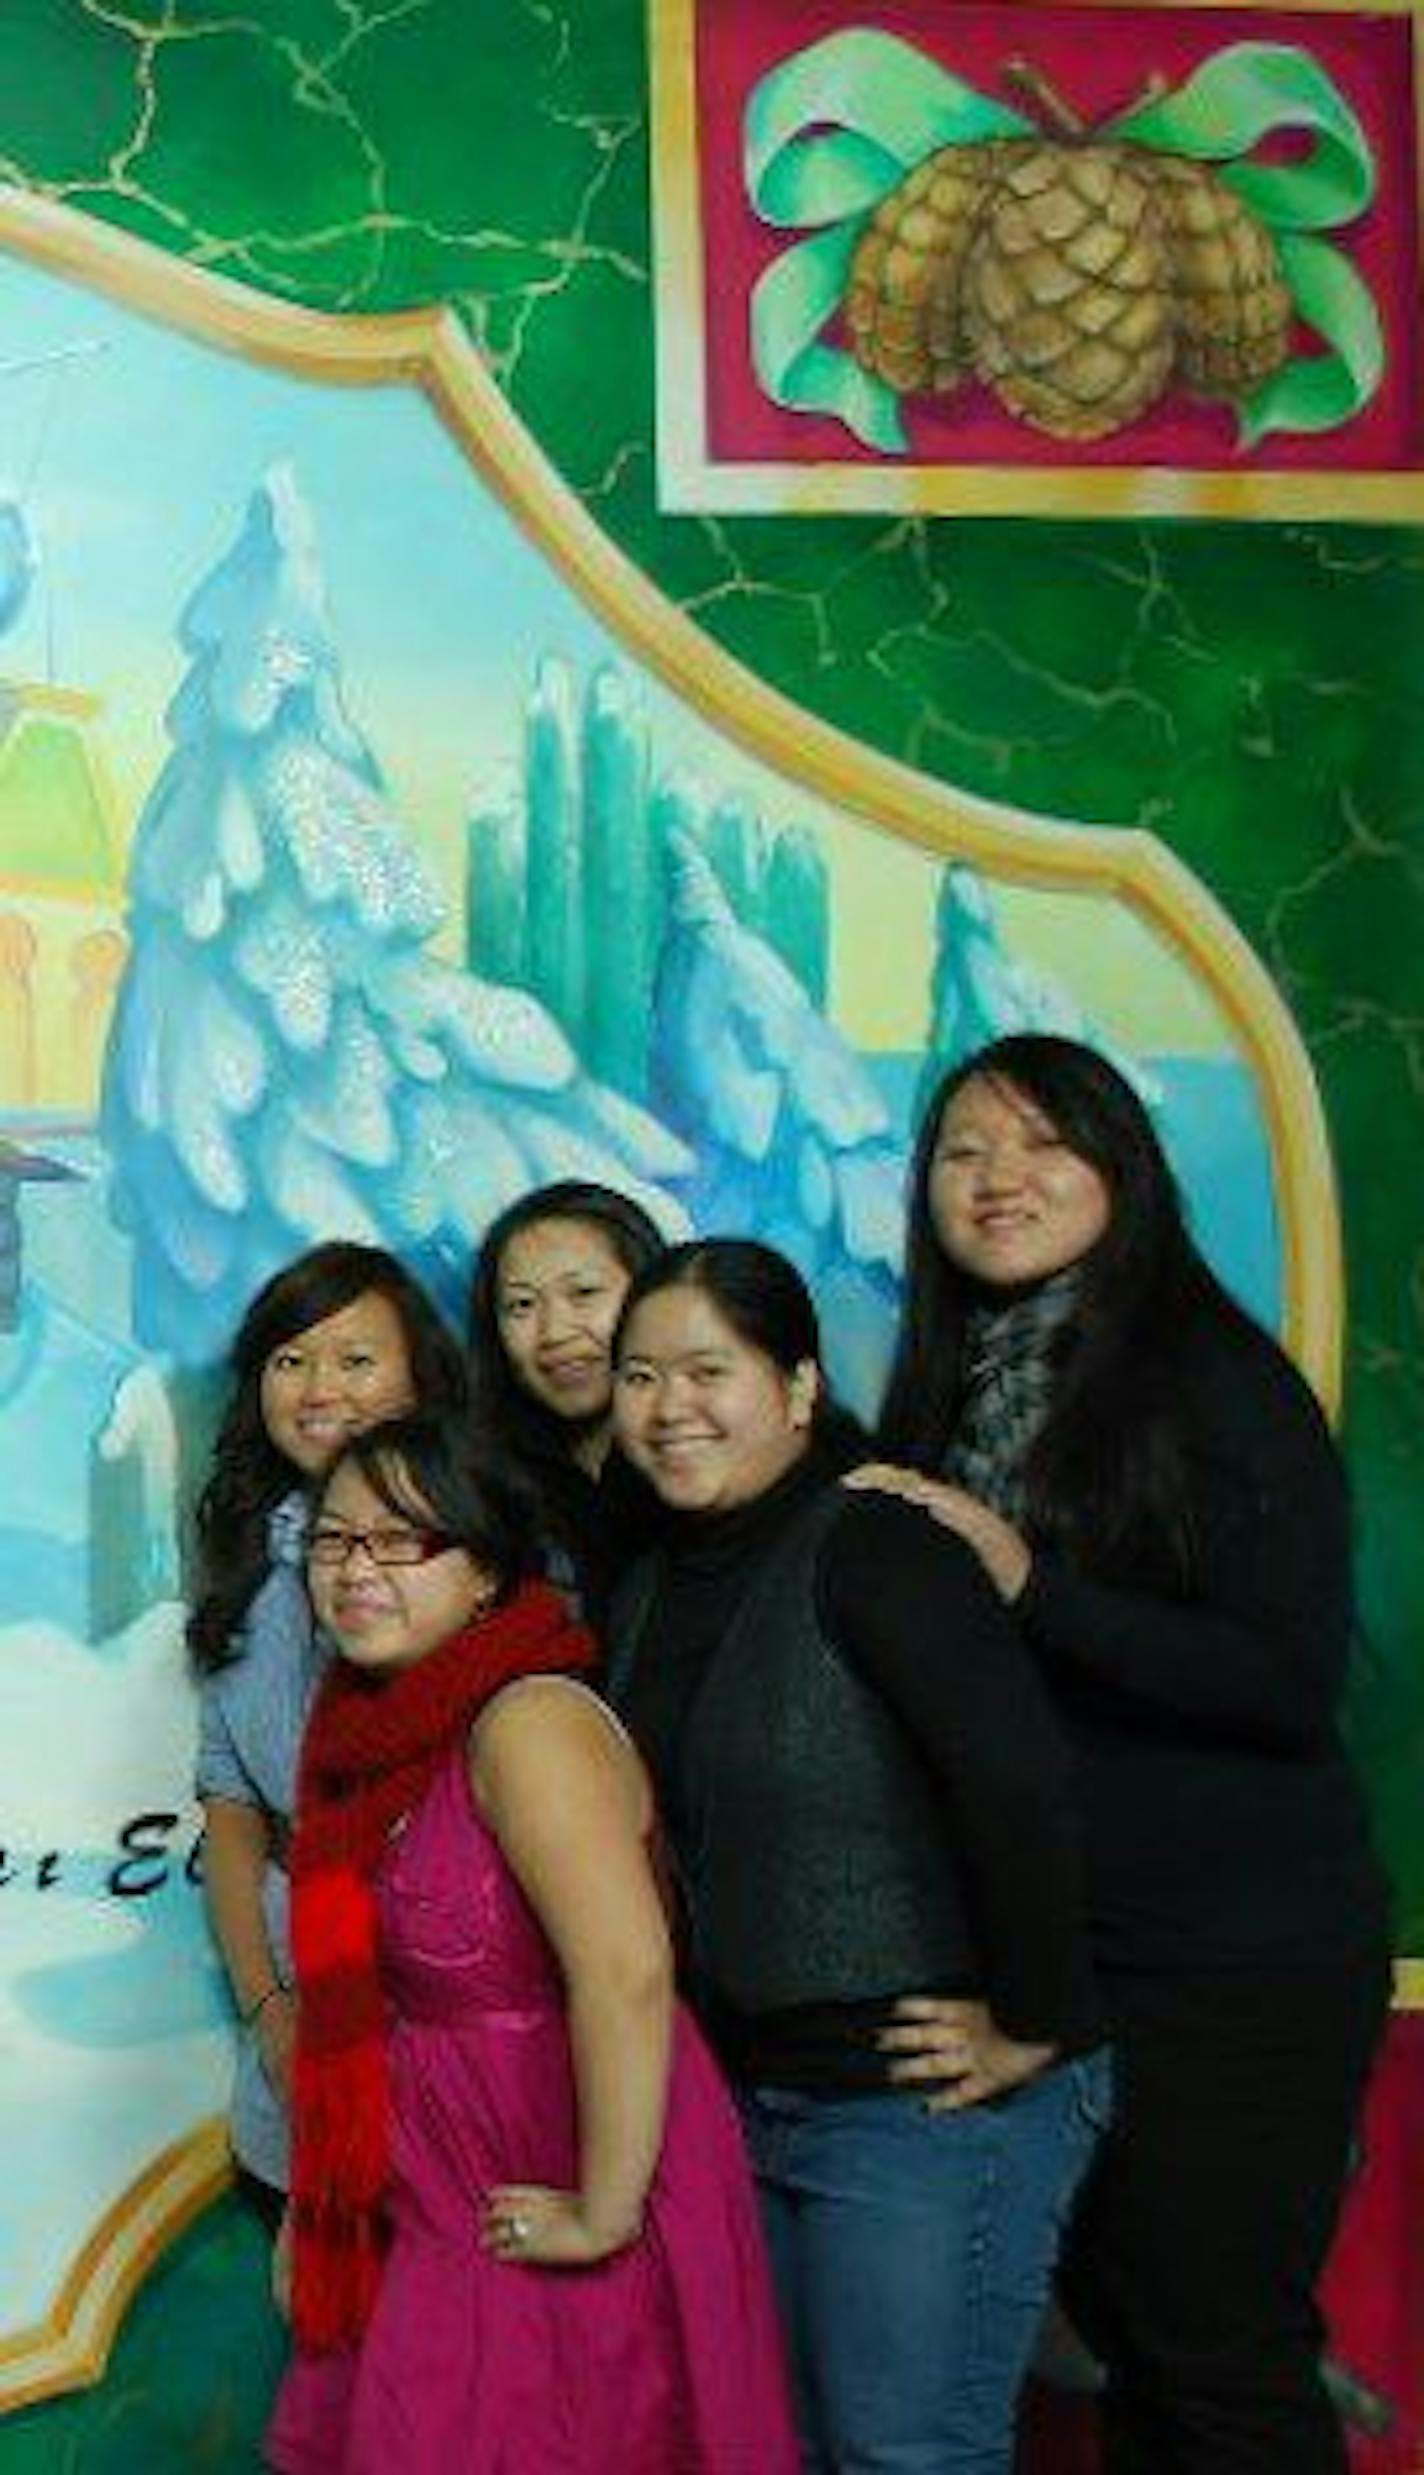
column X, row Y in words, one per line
column 348, row 889
column 1245, row 696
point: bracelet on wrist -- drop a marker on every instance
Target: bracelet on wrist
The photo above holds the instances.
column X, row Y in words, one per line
column 269, row 1993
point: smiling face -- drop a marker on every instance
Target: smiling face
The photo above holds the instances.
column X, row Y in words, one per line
column 558, row 1293
column 384, row 1617
column 710, row 1420
column 334, row 1380
column 1010, row 1203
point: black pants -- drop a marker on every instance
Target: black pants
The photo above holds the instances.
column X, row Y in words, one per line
column 1192, row 2263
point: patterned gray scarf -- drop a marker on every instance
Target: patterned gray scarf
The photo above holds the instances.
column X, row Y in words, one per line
column 1011, row 1359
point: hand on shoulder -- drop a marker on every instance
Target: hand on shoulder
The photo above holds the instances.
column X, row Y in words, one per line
column 1001, row 1549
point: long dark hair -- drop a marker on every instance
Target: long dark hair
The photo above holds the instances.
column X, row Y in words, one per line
column 536, row 1438
column 1106, row 1474
column 249, row 1475
column 434, row 1471
column 763, row 1297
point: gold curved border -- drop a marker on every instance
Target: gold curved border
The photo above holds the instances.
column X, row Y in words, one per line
column 429, row 349
column 70, row 2347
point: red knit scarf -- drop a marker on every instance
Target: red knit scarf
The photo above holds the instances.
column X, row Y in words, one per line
column 372, row 1749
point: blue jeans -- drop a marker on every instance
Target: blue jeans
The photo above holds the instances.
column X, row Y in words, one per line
column 913, row 2255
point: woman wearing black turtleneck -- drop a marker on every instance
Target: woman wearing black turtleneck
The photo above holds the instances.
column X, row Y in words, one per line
column 1150, row 1486
column 868, row 1807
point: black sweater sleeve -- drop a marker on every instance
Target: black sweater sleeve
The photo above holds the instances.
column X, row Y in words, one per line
column 1255, row 1656
column 906, row 1604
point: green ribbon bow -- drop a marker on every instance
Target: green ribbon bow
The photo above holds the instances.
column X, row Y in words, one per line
column 832, row 130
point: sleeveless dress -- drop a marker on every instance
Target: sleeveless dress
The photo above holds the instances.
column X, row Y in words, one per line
column 663, row 2360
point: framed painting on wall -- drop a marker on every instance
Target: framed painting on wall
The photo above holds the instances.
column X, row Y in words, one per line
column 1035, row 257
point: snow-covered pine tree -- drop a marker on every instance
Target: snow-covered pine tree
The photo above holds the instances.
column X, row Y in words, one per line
column 496, row 922
column 978, row 992
column 798, row 909
column 791, row 1139
column 133, row 1470
column 734, row 839
column 676, row 813
column 553, row 857
column 288, row 1061
column 619, row 954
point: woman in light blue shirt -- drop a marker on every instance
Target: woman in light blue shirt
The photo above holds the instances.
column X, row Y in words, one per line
column 336, row 1342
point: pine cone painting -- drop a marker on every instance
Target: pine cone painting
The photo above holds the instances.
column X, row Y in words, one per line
column 1078, row 279
column 1068, row 291
column 1221, row 241
column 1234, row 309
column 903, row 299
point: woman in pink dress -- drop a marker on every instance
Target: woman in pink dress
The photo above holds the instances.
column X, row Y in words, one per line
column 522, row 2239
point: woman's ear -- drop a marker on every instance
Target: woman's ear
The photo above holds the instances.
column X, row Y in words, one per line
column 803, row 1392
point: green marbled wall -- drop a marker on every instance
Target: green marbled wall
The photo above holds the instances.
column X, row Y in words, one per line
column 1247, row 693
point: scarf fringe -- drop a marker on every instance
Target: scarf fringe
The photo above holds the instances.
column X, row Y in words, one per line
column 330, row 2310
column 341, row 2111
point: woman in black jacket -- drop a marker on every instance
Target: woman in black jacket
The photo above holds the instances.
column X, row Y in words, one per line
column 867, row 1802
column 1150, row 1485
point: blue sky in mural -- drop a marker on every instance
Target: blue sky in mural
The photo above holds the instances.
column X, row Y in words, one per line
column 130, row 409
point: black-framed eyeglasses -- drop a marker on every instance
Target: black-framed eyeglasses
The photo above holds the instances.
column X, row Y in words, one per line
column 334, row 1546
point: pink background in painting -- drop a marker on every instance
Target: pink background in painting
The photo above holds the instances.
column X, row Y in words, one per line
column 1098, row 59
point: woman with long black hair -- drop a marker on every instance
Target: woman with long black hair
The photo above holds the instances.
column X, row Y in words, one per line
column 548, row 1287
column 1151, row 1487
column 331, row 1344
